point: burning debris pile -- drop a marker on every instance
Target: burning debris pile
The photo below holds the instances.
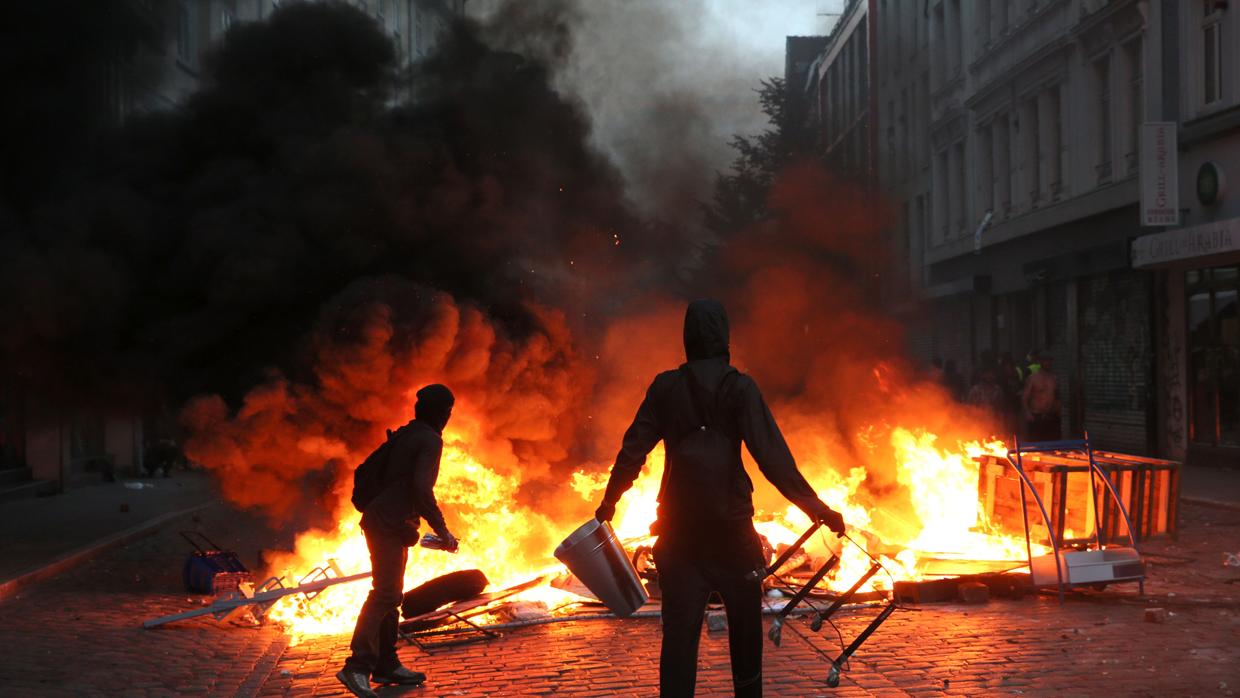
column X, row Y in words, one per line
column 313, row 237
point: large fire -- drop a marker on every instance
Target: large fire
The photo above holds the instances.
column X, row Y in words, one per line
column 513, row 543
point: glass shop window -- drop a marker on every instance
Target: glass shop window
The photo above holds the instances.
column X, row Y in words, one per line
column 1214, row 355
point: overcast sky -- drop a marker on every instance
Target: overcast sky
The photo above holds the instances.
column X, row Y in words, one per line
column 669, row 82
column 759, row 27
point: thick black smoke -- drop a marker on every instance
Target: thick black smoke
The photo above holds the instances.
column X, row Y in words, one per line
column 194, row 251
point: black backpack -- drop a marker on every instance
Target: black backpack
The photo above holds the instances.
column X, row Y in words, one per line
column 369, row 477
column 700, row 475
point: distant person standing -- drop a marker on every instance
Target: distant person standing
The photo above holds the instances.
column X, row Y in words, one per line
column 987, row 395
column 1040, row 403
column 954, row 381
column 1009, row 377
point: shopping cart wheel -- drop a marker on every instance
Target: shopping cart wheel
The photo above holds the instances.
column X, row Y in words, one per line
column 833, row 676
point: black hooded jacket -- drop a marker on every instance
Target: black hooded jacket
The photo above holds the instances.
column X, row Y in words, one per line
column 409, row 493
column 693, row 499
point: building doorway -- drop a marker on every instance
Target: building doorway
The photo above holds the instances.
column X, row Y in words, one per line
column 1214, row 355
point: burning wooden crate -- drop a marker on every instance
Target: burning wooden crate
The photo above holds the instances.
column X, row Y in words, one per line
column 1148, row 487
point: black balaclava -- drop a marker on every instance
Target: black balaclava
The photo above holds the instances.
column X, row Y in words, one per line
column 706, row 330
column 434, row 405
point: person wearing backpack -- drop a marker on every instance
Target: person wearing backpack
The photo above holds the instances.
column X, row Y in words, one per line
column 394, row 488
column 707, row 543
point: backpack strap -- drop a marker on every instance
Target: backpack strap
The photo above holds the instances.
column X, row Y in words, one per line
column 387, row 459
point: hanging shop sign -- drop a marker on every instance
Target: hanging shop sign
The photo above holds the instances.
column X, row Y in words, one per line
column 1160, row 185
column 1219, row 237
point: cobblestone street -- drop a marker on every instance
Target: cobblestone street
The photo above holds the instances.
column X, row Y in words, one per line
column 80, row 635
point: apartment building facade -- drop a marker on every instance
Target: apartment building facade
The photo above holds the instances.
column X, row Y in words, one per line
column 1009, row 141
column 1195, row 261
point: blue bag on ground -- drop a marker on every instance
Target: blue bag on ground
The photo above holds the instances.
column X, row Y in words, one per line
column 210, row 569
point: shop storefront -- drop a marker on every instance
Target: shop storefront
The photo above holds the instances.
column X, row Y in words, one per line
column 1213, row 356
column 1198, row 339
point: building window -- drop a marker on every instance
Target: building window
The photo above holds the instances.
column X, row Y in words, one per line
column 986, row 176
column 959, row 195
column 983, row 21
column 419, row 35
column 940, row 46
column 941, row 199
column 1212, row 52
column 998, row 18
column 1136, row 103
column 1214, row 355
column 1001, row 144
column 906, row 139
column 1057, row 144
column 185, row 36
column 1030, row 126
column 955, row 36
column 1102, row 81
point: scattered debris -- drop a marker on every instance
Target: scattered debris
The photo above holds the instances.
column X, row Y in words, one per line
column 998, row 585
column 716, row 621
column 440, row 591
column 263, row 597
column 521, row 611
column 1155, row 615
column 928, row 591
column 210, row 569
column 974, row 592
column 1231, row 559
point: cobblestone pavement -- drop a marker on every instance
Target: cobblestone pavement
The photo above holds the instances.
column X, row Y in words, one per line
column 79, row 635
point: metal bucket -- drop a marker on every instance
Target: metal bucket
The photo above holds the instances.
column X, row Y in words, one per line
column 595, row 556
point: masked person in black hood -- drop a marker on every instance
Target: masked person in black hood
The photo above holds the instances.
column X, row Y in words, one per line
column 390, row 522
column 707, row 543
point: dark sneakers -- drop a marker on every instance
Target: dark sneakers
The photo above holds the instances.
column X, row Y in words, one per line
column 400, row 676
column 356, row 682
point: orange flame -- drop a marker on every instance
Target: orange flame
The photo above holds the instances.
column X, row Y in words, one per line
column 513, row 543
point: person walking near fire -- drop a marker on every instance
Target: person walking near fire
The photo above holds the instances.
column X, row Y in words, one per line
column 703, row 411
column 392, row 495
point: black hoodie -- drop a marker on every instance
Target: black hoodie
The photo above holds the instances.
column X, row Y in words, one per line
column 731, row 403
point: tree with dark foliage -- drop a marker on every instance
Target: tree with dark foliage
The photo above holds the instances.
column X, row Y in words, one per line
column 740, row 197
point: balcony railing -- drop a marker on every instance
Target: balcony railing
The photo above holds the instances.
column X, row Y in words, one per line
column 1131, row 163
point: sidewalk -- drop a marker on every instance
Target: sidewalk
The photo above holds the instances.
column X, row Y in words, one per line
column 42, row 536
column 1210, row 485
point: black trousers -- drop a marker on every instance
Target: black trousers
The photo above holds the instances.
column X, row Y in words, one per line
column 1043, row 427
column 687, row 575
column 374, row 638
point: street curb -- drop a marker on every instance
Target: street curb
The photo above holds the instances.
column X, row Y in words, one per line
column 13, row 587
column 1234, row 506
